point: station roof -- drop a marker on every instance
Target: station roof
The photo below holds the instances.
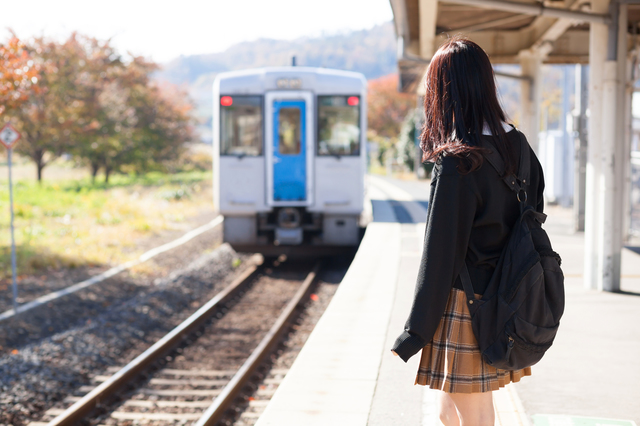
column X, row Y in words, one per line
column 503, row 28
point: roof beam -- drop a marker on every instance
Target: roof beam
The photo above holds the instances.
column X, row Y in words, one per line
column 536, row 10
column 546, row 40
column 400, row 18
column 513, row 76
column 489, row 24
column 428, row 13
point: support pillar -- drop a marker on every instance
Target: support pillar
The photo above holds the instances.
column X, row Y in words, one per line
column 609, row 253
column 531, row 93
column 598, row 36
column 606, row 171
column 623, row 145
column 627, row 94
column 580, row 150
column 617, row 54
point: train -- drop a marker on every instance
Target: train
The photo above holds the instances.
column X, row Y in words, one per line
column 289, row 158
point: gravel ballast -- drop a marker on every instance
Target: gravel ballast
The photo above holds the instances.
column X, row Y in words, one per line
column 111, row 332
column 74, row 309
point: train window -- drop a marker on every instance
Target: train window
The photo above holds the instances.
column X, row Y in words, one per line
column 338, row 125
column 241, row 125
column 289, row 131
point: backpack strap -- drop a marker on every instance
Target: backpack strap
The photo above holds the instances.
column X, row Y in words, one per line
column 524, row 169
column 517, row 183
column 466, row 283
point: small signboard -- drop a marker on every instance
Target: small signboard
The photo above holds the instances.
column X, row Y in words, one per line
column 9, row 136
column 564, row 420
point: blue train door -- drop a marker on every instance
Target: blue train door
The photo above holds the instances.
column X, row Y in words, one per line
column 289, row 151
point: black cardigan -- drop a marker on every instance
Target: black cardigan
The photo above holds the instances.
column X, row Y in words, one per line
column 469, row 217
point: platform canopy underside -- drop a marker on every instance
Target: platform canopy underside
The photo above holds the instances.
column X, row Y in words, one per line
column 499, row 27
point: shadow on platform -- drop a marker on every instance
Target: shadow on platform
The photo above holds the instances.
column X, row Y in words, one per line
column 393, row 211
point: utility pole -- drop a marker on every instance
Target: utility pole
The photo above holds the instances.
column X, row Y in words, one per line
column 9, row 137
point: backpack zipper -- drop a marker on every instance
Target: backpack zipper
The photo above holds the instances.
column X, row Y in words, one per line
column 509, row 347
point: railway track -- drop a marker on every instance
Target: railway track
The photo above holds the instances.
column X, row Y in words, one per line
column 44, row 299
column 194, row 373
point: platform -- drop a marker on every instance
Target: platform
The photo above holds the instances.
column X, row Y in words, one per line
column 346, row 374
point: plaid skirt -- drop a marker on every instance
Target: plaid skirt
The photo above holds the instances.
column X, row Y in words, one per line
column 452, row 361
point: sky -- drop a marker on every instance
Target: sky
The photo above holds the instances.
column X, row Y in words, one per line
column 163, row 30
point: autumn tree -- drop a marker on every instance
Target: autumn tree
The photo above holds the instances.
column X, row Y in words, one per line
column 136, row 126
column 104, row 115
column 165, row 125
column 49, row 119
column 386, row 107
column 105, row 111
column 18, row 74
column 162, row 121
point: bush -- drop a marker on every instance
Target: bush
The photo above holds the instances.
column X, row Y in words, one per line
column 407, row 150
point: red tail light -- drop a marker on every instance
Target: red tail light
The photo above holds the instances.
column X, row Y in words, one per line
column 353, row 100
column 226, row 101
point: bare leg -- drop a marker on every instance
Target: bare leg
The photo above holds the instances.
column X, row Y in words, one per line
column 447, row 410
column 474, row 409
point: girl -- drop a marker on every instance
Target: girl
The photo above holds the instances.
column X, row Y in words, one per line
column 470, row 214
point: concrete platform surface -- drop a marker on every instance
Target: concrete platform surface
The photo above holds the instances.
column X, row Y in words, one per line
column 346, row 375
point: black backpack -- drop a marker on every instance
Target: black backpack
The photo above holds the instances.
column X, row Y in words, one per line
column 518, row 315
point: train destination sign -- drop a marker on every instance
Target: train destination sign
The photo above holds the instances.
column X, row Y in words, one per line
column 9, row 136
column 289, row 83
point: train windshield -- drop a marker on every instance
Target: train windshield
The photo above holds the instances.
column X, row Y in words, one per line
column 241, row 125
column 289, row 131
column 338, row 125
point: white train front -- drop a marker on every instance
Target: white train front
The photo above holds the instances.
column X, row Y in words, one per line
column 289, row 157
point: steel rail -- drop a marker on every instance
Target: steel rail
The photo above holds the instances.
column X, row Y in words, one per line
column 43, row 300
column 223, row 401
column 105, row 390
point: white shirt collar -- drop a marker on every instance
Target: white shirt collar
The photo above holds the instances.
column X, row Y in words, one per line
column 487, row 131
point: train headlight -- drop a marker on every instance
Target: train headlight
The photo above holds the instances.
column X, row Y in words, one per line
column 289, row 217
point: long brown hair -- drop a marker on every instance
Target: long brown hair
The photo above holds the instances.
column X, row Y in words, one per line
column 460, row 98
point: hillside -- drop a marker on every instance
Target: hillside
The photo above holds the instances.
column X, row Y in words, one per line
column 371, row 52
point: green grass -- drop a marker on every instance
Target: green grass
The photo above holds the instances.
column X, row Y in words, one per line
column 57, row 199
column 152, row 179
column 69, row 223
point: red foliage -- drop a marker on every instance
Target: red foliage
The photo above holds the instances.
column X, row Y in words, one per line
column 387, row 107
column 19, row 74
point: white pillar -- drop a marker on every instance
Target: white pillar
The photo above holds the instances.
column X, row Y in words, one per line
column 580, row 161
column 623, row 146
column 609, row 255
column 598, row 36
column 627, row 94
column 531, row 93
column 603, row 239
